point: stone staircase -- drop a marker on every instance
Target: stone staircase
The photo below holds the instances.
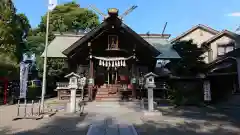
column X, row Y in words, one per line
column 108, row 93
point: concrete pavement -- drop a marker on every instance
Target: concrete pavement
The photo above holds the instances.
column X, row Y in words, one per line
column 119, row 118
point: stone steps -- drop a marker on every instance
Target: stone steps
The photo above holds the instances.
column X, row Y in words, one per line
column 108, row 93
column 110, row 99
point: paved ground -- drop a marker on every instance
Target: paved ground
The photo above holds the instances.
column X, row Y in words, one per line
column 187, row 121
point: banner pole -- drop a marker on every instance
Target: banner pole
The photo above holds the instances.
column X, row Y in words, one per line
column 45, row 65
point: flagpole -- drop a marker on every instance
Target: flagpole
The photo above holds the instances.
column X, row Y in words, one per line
column 45, row 65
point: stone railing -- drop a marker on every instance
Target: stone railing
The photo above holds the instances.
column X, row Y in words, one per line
column 64, row 85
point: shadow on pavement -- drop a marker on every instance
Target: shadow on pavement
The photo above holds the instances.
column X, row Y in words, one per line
column 154, row 128
column 196, row 113
column 197, row 121
column 60, row 125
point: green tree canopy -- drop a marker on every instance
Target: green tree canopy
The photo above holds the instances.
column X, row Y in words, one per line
column 191, row 62
column 13, row 30
column 68, row 17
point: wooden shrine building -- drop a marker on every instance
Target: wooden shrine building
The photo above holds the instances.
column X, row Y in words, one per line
column 112, row 56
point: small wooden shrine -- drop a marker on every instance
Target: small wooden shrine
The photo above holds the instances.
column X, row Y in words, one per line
column 111, row 52
column 111, row 57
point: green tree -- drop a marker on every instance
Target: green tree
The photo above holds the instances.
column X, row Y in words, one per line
column 13, row 30
column 190, row 65
column 191, row 62
column 69, row 17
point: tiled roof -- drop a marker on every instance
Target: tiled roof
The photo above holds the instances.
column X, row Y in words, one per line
column 156, row 35
column 163, row 46
column 62, row 42
column 59, row 44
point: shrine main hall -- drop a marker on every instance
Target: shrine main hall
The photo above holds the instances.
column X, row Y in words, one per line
column 112, row 56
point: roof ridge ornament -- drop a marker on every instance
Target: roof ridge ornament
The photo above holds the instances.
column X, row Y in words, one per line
column 113, row 12
column 128, row 11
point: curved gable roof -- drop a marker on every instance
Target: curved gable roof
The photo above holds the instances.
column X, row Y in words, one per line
column 98, row 30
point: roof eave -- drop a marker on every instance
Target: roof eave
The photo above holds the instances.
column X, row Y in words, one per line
column 92, row 33
column 152, row 48
column 85, row 38
column 211, row 30
column 225, row 32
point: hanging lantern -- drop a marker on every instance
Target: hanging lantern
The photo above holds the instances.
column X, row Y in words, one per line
column 109, row 63
column 100, row 62
column 121, row 63
column 118, row 63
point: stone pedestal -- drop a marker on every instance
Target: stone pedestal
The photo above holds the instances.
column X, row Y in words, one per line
column 150, row 100
column 152, row 113
column 73, row 101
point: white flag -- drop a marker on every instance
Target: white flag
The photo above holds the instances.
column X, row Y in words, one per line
column 52, row 4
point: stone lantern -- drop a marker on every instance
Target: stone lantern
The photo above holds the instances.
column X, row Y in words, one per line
column 150, row 85
column 73, row 86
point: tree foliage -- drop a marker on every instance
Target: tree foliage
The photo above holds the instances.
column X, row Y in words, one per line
column 191, row 62
column 68, row 17
column 13, row 30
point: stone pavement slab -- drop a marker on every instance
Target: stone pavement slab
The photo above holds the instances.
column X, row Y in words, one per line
column 111, row 127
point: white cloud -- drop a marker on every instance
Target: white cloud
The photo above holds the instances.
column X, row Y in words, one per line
column 234, row 14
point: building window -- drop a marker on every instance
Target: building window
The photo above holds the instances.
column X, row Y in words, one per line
column 223, row 49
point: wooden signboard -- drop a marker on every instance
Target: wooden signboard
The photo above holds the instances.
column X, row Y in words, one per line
column 112, row 42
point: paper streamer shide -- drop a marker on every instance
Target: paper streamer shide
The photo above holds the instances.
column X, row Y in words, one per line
column 112, row 61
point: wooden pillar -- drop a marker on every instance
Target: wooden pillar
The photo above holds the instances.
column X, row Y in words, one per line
column 5, row 91
column 134, row 75
column 90, row 86
column 108, row 76
column 116, row 78
column 238, row 71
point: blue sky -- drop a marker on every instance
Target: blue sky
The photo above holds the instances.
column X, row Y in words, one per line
column 151, row 15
